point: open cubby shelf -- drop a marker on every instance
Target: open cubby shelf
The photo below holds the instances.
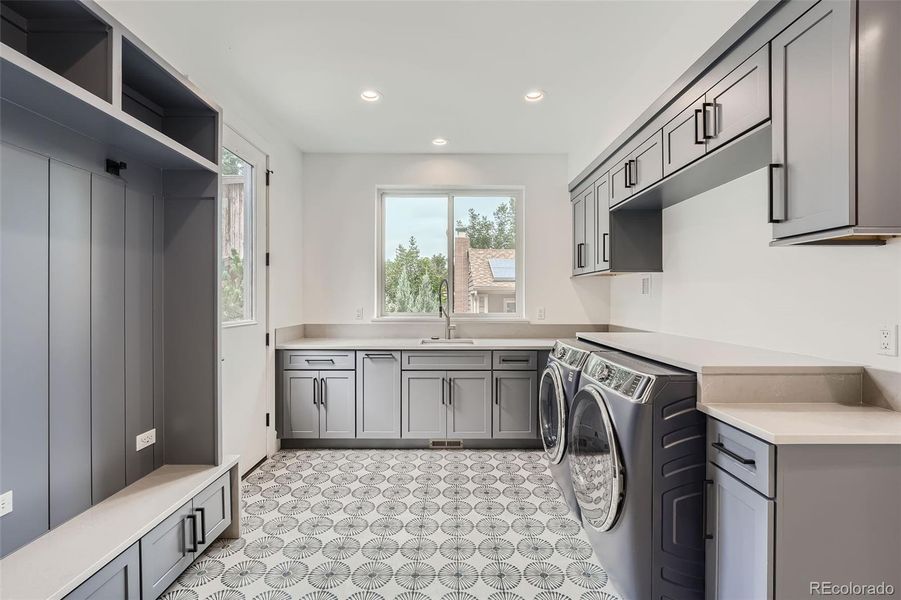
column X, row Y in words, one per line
column 156, row 98
column 64, row 37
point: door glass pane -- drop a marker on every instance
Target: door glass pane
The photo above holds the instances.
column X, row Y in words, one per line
column 237, row 238
column 415, row 253
column 484, row 254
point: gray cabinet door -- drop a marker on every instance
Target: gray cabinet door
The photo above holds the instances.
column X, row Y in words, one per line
column 601, row 254
column 213, row 509
column 683, row 138
column 647, row 163
column 740, row 550
column 740, row 101
column 120, row 579
column 378, row 394
column 515, row 412
column 579, row 256
column 469, row 405
column 300, row 404
column 337, row 404
column 811, row 122
column 423, row 404
column 166, row 551
column 620, row 186
column 23, row 345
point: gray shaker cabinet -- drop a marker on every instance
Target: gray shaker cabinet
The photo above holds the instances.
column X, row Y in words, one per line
column 337, row 404
column 620, row 185
column 515, row 406
column 685, row 138
column 300, row 404
column 739, row 102
column 580, row 226
column 166, row 552
column 469, row 404
column 378, row 394
column 120, row 579
column 423, row 404
column 601, row 246
column 213, row 509
column 811, row 187
column 739, row 545
column 647, row 163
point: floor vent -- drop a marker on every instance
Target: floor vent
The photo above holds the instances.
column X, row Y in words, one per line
column 445, row 443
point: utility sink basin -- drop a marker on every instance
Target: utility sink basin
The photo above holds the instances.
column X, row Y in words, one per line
column 460, row 341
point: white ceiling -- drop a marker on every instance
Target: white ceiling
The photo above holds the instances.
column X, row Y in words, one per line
column 451, row 68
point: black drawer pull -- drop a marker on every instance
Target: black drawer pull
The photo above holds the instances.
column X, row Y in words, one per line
column 505, row 359
column 702, row 141
column 193, row 520
column 321, row 360
column 737, row 457
column 705, row 509
column 371, row 355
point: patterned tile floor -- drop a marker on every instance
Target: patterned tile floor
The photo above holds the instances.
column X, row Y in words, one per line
column 403, row 524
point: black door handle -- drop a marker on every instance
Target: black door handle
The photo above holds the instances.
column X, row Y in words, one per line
column 702, row 140
column 773, row 217
column 202, row 512
column 633, row 170
column 497, row 389
column 450, row 391
column 737, row 457
column 443, row 388
column 706, row 133
column 705, row 509
column 322, row 388
column 626, row 168
column 315, row 387
column 193, row 520
column 604, row 241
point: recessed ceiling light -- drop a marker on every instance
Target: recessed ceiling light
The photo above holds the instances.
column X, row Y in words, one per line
column 371, row 95
column 534, row 96
column 439, row 142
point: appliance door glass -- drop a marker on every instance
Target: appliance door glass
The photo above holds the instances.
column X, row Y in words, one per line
column 552, row 413
column 594, row 459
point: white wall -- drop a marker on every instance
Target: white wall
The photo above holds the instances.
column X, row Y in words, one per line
column 339, row 229
column 723, row 281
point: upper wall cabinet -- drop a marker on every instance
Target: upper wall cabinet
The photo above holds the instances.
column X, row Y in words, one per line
column 808, row 89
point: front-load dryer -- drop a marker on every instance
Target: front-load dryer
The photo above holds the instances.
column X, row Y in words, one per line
column 637, row 462
column 558, row 386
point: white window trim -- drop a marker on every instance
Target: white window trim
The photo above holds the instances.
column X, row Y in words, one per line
column 250, row 222
column 518, row 195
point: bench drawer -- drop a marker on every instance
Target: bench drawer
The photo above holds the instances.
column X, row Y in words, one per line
column 318, row 360
column 515, row 360
column 749, row 459
column 446, row 360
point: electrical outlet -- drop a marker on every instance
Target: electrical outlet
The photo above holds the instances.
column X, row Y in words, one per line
column 358, row 315
column 6, row 503
column 888, row 340
column 148, row 438
column 646, row 285
column 541, row 313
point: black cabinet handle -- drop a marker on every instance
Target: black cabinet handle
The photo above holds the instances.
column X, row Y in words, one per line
column 737, row 457
column 580, row 262
column 322, row 388
column 520, row 361
column 771, row 179
column 193, row 520
column 443, row 389
column 604, row 240
column 706, row 133
column 321, row 360
column 705, row 509
column 497, row 389
column 315, row 387
column 450, row 391
column 626, row 176
column 202, row 512
column 633, row 173
column 372, row 355
column 702, row 140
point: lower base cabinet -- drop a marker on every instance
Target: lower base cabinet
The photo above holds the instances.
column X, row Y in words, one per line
column 446, row 404
column 515, row 407
column 168, row 549
column 119, row 580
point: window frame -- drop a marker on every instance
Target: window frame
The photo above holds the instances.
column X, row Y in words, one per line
column 250, row 224
column 449, row 192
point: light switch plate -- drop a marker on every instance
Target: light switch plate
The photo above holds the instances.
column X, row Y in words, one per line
column 148, row 438
column 541, row 313
column 6, row 503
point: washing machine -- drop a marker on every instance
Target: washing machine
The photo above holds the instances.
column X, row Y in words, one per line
column 637, row 464
column 558, row 386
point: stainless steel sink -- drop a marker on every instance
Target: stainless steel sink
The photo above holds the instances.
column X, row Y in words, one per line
column 460, row 341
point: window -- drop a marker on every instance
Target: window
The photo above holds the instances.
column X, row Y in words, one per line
column 468, row 237
column 237, row 239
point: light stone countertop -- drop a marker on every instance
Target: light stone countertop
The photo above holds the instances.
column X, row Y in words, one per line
column 715, row 358
column 65, row 557
column 414, row 344
column 811, row 422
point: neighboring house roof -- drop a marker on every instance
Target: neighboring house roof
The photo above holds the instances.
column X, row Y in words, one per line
column 492, row 268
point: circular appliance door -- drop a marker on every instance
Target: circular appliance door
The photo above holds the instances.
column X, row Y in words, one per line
column 552, row 413
column 594, row 460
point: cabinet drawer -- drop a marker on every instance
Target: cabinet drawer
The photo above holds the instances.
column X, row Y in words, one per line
column 166, row 552
column 318, row 360
column 749, row 459
column 213, row 508
column 120, row 579
column 447, row 360
column 509, row 360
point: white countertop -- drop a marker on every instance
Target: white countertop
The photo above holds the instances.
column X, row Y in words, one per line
column 811, row 422
column 60, row 560
column 414, row 344
column 705, row 356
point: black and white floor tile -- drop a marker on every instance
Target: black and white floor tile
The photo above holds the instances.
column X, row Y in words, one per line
column 401, row 524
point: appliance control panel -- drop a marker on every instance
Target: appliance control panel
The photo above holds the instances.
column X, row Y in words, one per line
column 617, row 378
